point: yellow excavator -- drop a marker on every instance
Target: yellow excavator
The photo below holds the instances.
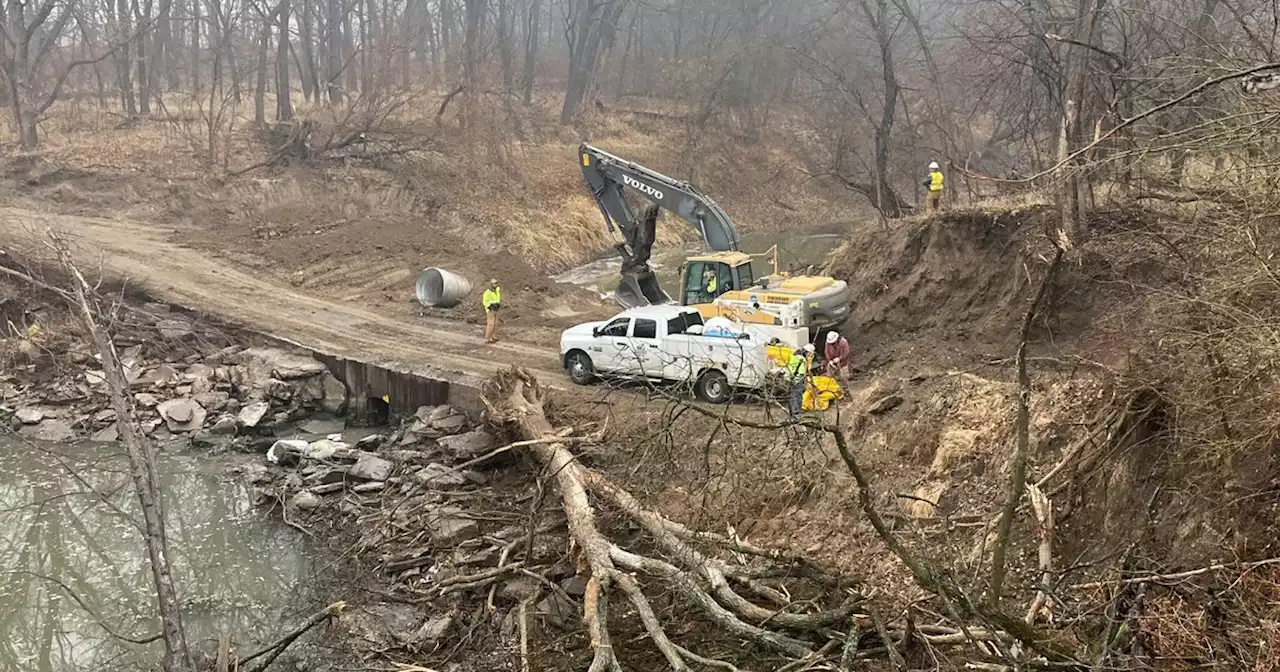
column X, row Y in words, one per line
column 722, row 283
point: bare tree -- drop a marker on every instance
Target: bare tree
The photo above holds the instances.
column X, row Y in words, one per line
column 534, row 12
column 589, row 27
column 31, row 35
column 333, row 51
column 284, row 106
column 141, row 452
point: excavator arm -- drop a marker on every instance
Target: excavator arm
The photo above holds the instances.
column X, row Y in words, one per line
column 606, row 177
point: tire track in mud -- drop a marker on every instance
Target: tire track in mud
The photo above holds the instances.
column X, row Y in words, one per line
column 143, row 254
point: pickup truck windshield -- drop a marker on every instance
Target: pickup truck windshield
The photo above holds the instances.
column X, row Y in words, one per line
column 680, row 324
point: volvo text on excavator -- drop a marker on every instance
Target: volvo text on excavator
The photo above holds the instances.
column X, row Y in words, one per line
column 721, row 283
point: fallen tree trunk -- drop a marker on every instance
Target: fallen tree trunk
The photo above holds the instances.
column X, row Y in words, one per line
column 514, row 402
column 142, row 468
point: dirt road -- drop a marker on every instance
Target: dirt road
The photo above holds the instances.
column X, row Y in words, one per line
column 195, row 280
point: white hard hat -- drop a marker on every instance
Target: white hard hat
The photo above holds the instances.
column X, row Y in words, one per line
column 833, row 336
column 933, row 165
column 808, row 347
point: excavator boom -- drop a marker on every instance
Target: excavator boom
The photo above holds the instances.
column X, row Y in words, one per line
column 606, row 176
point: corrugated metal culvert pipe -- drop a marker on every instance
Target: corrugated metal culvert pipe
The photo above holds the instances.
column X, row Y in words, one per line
column 438, row 288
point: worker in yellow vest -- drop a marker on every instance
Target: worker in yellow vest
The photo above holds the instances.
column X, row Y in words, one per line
column 933, row 183
column 798, row 373
column 491, row 301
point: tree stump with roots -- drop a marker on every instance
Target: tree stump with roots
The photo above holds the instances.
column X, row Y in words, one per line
column 692, row 568
column 291, row 139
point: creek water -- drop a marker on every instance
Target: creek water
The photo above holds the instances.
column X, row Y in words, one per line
column 67, row 524
column 795, row 253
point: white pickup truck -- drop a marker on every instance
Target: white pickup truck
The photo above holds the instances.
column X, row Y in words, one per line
column 665, row 343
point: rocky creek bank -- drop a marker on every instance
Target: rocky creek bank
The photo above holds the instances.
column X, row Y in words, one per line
column 441, row 529
column 426, row 518
column 189, row 385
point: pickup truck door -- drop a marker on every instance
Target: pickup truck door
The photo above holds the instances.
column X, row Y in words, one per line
column 646, row 357
column 677, row 362
column 611, row 349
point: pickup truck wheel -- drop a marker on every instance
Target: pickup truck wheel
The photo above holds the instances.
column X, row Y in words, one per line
column 581, row 370
column 713, row 386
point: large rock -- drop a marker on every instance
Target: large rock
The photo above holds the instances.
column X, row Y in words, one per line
column 325, row 449
column 323, row 427
column 433, row 631
column 210, row 441
column 255, row 474
column 560, row 611
column 451, row 424
column 520, row 589
column 574, row 586
column 95, row 379
column 29, row 416
column 285, row 451
column 182, row 415
column 370, row 442
column 213, row 400
column 450, row 526
column 468, row 446
column 108, row 434
column 310, row 390
column 227, row 424
column 371, row 468
column 263, row 364
column 327, row 475
column 198, row 371
column 252, row 414
column 306, row 501
column 436, row 413
column 160, row 376
column 435, row 421
column 146, row 399
column 440, row 476
column 335, row 394
column 49, row 430
column 174, row 328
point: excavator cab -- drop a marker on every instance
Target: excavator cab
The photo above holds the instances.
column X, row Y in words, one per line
column 706, row 277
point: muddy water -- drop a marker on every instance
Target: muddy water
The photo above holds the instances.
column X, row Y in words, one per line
column 795, row 253
column 238, row 571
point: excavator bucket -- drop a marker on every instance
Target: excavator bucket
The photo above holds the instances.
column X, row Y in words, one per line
column 640, row 290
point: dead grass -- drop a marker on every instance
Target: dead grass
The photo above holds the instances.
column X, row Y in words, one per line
column 1238, row 626
column 34, row 326
column 502, row 174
